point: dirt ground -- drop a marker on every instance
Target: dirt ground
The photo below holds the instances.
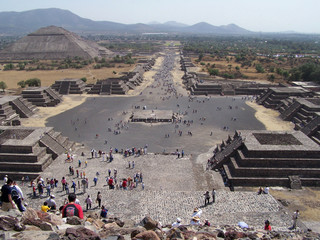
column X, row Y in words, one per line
column 48, row 77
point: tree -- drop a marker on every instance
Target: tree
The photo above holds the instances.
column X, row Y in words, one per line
column 213, row 71
column 271, row 78
column 33, row 82
column 259, row 68
column 22, row 84
column 3, row 85
column 8, row 66
column 84, row 79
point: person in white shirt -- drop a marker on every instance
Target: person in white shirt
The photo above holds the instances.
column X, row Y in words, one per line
column 177, row 223
column 266, row 190
column 197, row 212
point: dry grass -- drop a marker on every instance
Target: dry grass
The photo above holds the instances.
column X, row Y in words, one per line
column 11, row 78
column 306, row 200
column 250, row 72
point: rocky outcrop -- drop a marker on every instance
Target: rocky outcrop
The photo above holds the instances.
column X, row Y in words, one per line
column 35, row 224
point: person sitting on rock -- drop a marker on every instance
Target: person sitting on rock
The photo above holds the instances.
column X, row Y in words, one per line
column 44, row 207
column 267, row 226
column 260, row 190
column 51, row 202
column 207, row 223
column 195, row 221
column 72, row 209
column 104, row 212
column 177, row 223
column 266, row 190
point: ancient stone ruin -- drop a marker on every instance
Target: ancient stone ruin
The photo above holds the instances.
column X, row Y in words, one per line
column 260, row 158
column 69, row 86
column 153, row 116
column 12, row 108
column 203, row 84
column 27, row 151
column 53, row 43
column 42, row 96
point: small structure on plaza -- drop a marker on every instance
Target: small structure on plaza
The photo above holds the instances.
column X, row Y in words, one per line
column 42, row 96
column 264, row 158
column 53, row 43
column 27, row 151
column 69, row 86
column 153, row 116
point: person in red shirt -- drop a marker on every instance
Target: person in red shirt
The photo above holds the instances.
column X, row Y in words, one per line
column 124, row 184
column 72, row 209
column 110, row 183
column 267, row 226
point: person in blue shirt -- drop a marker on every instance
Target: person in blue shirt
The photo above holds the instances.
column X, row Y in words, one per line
column 104, row 212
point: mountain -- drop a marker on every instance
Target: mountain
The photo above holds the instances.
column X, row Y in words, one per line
column 20, row 23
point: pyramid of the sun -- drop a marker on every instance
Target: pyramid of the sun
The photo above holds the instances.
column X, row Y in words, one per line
column 53, row 43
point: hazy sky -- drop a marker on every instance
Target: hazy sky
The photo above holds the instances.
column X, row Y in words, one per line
column 255, row 15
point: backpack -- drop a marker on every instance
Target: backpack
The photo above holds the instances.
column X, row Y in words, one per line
column 14, row 193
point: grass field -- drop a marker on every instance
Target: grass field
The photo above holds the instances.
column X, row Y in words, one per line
column 48, row 77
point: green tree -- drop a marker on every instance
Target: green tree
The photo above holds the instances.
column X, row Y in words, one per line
column 271, row 78
column 22, row 84
column 3, row 85
column 213, row 71
column 8, row 66
column 259, row 68
column 33, row 82
column 84, row 79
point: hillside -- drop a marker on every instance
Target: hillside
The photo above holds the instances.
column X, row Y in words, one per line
column 21, row 23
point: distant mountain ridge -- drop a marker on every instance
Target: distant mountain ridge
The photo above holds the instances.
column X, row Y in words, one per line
column 18, row 23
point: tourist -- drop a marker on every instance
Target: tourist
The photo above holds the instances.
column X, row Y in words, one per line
column 195, row 221
column 197, row 212
column 63, row 182
column 72, row 208
column 266, row 190
column 207, row 198
column 214, row 193
column 177, row 223
column 95, row 180
column 6, row 198
column 17, row 196
column 260, row 190
column 267, row 226
column 67, row 188
column 104, row 212
column 74, row 186
column 51, row 202
column 295, row 217
column 88, row 202
column 44, row 207
column 207, row 223
column 99, row 198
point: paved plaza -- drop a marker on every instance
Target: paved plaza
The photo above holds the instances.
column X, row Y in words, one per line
column 173, row 186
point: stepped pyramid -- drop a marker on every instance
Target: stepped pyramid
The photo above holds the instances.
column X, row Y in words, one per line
column 53, row 43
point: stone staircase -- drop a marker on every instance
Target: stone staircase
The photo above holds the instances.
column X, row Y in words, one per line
column 64, row 88
column 23, row 107
column 27, row 151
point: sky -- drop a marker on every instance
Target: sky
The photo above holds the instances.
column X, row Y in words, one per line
column 255, row 15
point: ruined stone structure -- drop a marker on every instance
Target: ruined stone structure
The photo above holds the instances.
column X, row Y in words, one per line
column 69, row 86
column 304, row 113
column 272, row 97
column 109, row 86
column 202, row 84
column 42, row 96
column 124, row 83
column 153, row 116
column 12, row 108
column 28, row 151
column 264, row 158
column 53, row 43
